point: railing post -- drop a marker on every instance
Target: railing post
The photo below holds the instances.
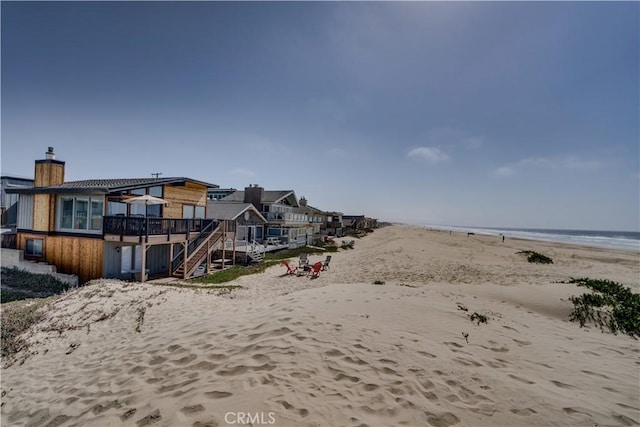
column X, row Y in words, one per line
column 146, row 230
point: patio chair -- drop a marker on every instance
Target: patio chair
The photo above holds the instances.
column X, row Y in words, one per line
column 290, row 269
column 315, row 270
column 303, row 261
column 325, row 264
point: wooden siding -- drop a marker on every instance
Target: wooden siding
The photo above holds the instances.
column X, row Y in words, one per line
column 42, row 212
column 190, row 194
column 25, row 212
column 71, row 255
column 48, row 173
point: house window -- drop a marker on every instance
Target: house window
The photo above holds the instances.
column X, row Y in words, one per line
column 187, row 211
column 155, row 191
column 191, row 211
column 67, row 213
column 81, row 213
column 97, row 208
column 33, row 247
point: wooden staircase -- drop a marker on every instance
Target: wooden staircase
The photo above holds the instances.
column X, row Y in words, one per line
column 195, row 257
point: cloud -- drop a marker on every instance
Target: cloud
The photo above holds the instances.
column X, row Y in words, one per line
column 432, row 155
column 566, row 163
column 503, row 171
column 243, row 172
column 453, row 138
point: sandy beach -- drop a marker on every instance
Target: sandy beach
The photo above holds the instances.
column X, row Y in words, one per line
column 339, row 350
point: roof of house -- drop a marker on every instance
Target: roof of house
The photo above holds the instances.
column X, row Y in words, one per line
column 225, row 210
column 268, row 196
column 105, row 185
column 313, row 209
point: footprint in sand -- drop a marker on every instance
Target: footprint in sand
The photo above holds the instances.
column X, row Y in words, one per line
column 573, row 411
column 236, row 370
column 185, row 360
column 217, row 357
column 443, row 420
column 156, row 360
column 595, row 374
column 525, row 412
column 427, row 354
column 202, row 366
column 561, row 385
column 192, row 409
column 152, row 418
column 127, row 414
column 217, row 394
column 522, row 380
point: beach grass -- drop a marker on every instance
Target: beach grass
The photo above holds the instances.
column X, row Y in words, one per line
column 536, row 257
column 20, row 284
column 610, row 305
column 17, row 318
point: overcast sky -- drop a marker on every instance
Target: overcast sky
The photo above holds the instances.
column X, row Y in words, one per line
column 497, row 114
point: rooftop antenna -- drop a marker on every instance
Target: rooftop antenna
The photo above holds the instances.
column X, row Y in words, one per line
column 156, row 174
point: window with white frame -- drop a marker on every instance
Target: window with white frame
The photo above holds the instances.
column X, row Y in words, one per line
column 81, row 213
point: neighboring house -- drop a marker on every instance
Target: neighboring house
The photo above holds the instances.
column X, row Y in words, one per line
column 219, row 193
column 335, row 226
column 8, row 201
column 278, row 208
column 246, row 221
column 359, row 222
column 318, row 218
column 89, row 229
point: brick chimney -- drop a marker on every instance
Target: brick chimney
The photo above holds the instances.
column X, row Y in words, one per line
column 253, row 194
column 48, row 171
column 303, row 201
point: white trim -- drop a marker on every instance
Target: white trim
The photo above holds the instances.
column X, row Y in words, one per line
column 89, row 198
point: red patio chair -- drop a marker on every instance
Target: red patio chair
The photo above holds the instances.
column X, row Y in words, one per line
column 315, row 270
column 290, row 270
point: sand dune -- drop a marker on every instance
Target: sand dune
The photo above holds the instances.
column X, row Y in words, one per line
column 338, row 350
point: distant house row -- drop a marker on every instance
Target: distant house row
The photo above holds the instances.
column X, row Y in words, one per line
column 102, row 228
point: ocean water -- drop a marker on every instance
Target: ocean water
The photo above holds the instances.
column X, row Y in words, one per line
column 629, row 240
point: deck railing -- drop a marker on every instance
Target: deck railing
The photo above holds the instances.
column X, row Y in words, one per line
column 143, row 227
column 286, row 217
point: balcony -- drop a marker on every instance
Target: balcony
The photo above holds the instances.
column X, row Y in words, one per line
column 285, row 218
column 139, row 229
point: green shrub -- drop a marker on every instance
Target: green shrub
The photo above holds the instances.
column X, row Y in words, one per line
column 610, row 306
column 18, row 279
column 17, row 317
column 536, row 257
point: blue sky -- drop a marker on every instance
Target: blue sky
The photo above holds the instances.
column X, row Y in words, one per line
column 498, row 114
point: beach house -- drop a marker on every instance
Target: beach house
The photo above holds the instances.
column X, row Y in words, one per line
column 278, row 208
column 104, row 228
column 9, row 202
column 316, row 217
